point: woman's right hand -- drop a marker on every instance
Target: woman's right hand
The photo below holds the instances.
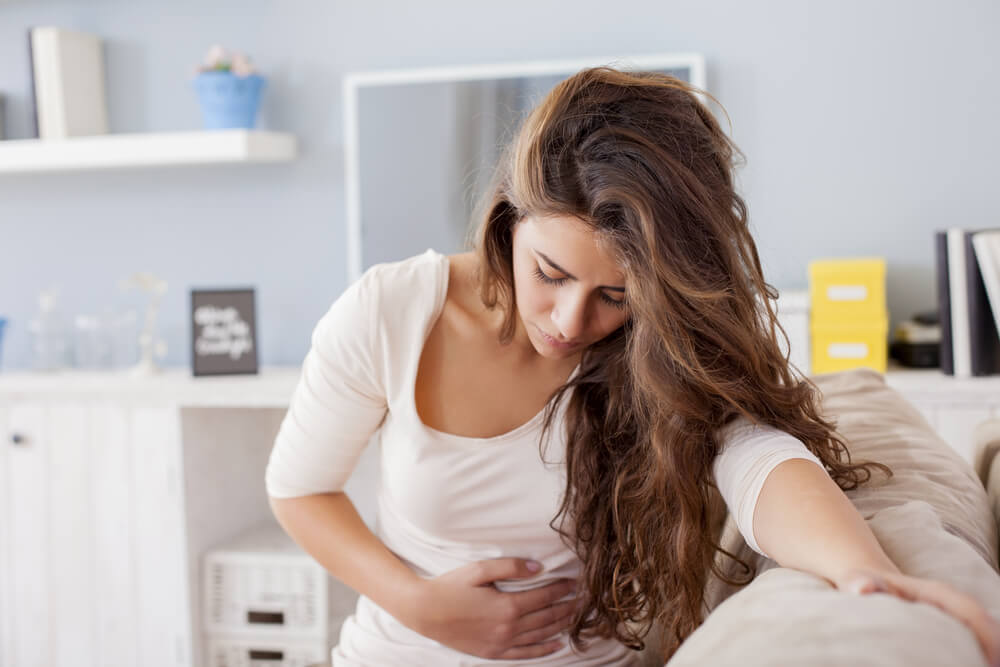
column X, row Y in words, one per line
column 464, row 610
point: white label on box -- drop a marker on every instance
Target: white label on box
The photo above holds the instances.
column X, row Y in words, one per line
column 847, row 350
column 846, row 292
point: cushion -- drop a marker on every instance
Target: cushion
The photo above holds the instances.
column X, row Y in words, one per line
column 932, row 518
column 987, row 463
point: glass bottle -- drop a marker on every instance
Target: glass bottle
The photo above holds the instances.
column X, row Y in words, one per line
column 49, row 339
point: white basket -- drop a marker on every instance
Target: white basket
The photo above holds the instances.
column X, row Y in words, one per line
column 226, row 651
column 262, row 584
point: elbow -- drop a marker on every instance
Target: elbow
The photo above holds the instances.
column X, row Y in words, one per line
column 286, row 507
column 278, row 507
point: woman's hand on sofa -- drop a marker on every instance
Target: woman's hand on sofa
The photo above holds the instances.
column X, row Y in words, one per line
column 962, row 606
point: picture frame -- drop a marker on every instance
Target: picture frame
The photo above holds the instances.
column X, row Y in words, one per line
column 223, row 332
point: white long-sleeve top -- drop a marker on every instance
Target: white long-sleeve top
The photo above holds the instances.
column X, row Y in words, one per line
column 445, row 500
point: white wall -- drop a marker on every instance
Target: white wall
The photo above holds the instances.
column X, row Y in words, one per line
column 866, row 127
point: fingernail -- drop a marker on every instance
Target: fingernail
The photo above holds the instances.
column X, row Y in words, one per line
column 534, row 565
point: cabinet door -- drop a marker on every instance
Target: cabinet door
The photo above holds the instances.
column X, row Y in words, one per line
column 92, row 568
column 6, row 606
column 161, row 571
column 71, row 557
column 49, row 592
column 111, row 494
column 27, row 593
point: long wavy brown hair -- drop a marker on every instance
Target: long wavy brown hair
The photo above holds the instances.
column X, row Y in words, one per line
column 641, row 160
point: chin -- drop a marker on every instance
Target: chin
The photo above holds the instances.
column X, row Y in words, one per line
column 549, row 354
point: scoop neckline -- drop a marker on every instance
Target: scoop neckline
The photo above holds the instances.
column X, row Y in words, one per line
column 442, row 295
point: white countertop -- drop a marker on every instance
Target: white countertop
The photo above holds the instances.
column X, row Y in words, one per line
column 272, row 387
column 932, row 380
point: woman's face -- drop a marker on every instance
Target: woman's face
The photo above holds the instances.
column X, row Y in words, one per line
column 569, row 291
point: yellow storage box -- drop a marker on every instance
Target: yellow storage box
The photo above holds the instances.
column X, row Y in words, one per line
column 847, row 290
column 842, row 346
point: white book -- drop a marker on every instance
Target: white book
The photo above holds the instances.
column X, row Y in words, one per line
column 68, row 70
column 987, row 247
column 960, row 333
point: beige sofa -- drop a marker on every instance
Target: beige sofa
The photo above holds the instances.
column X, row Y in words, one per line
column 934, row 518
column 987, row 463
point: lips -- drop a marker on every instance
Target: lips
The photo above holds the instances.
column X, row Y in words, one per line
column 557, row 344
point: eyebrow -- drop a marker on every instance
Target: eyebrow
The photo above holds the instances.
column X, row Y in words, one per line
column 571, row 276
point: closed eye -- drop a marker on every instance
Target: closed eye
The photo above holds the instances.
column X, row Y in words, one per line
column 548, row 280
column 617, row 303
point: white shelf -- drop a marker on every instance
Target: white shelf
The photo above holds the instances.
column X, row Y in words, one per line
column 110, row 151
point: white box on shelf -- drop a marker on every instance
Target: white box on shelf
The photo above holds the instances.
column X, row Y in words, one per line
column 793, row 315
column 263, row 584
column 234, row 651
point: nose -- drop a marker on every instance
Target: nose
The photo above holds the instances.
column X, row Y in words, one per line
column 570, row 316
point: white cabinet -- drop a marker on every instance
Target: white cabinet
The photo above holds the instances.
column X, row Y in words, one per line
column 92, row 549
column 111, row 489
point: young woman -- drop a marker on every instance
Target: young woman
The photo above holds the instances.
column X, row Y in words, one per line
column 557, row 409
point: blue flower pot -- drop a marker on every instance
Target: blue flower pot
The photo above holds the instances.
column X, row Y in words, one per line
column 227, row 100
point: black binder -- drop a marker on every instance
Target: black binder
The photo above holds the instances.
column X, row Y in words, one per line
column 944, row 301
column 984, row 341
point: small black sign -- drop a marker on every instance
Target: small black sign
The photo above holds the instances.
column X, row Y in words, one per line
column 223, row 332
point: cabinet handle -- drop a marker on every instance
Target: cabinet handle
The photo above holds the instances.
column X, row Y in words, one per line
column 18, row 439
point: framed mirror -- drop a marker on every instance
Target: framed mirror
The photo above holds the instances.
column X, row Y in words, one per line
column 421, row 146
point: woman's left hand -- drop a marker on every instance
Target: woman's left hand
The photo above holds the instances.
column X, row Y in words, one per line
column 962, row 606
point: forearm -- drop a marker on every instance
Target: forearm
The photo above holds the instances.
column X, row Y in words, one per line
column 804, row 521
column 329, row 528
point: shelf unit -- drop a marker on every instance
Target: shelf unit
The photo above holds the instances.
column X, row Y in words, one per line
column 116, row 151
